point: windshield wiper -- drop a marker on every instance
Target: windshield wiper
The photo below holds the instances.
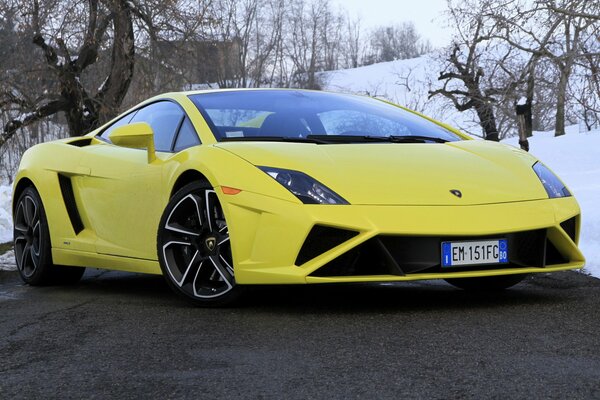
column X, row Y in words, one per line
column 369, row 138
column 347, row 138
column 415, row 139
column 308, row 139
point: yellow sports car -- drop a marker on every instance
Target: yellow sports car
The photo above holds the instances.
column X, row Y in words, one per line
column 220, row 189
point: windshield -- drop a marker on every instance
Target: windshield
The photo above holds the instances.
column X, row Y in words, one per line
column 318, row 117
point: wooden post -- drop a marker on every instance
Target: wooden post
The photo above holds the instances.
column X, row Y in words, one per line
column 523, row 108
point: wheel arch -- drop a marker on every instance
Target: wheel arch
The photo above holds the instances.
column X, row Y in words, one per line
column 188, row 176
column 21, row 185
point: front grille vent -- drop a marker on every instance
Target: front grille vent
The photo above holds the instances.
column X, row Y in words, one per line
column 405, row 255
column 321, row 239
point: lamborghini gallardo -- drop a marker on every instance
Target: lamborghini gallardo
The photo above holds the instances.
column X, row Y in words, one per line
column 218, row 190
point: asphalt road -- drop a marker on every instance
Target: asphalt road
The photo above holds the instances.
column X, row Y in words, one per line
column 119, row 335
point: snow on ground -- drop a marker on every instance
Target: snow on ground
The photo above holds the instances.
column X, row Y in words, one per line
column 7, row 261
column 5, row 215
column 575, row 158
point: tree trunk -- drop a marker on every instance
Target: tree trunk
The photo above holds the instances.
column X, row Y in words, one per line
column 122, row 64
column 561, row 94
column 523, row 111
column 529, row 95
column 485, row 112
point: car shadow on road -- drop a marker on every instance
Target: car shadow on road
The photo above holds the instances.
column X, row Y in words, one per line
column 367, row 298
column 338, row 298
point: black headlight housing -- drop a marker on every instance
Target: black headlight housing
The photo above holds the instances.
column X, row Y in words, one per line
column 553, row 185
column 307, row 189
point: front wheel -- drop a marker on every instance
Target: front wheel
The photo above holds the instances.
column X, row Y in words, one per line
column 194, row 250
column 487, row 283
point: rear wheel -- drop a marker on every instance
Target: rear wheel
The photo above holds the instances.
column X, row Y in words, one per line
column 487, row 283
column 193, row 247
column 32, row 244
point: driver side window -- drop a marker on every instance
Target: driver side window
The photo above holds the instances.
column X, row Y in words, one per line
column 164, row 117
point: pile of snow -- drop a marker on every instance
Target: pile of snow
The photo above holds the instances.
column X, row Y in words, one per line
column 7, row 261
column 6, row 232
column 574, row 157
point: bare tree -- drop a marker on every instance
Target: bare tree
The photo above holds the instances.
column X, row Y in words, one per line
column 397, row 42
column 74, row 40
column 549, row 32
column 82, row 109
column 464, row 77
column 353, row 46
column 304, row 44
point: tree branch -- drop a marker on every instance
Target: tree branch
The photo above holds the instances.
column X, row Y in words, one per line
column 49, row 52
column 40, row 112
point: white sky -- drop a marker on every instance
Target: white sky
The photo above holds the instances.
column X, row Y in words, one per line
column 425, row 14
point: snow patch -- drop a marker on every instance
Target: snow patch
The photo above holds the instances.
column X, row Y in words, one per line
column 25, row 116
column 103, row 84
column 575, row 158
column 7, row 261
column 6, row 233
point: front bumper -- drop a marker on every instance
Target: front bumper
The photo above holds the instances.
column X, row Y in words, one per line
column 268, row 236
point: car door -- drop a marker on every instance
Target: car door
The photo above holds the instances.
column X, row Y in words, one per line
column 124, row 194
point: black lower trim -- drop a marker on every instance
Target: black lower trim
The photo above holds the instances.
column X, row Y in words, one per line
column 66, row 188
column 405, row 255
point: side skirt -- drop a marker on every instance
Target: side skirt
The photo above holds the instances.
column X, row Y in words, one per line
column 94, row 260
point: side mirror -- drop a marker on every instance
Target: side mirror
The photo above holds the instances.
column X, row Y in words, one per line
column 138, row 135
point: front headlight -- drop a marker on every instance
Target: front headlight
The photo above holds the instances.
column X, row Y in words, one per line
column 554, row 187
column 305, row 188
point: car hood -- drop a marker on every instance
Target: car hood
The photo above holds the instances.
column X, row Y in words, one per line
column 406, row 173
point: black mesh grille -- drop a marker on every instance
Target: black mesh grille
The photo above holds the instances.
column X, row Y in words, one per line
column 404, row 255
column 321, row 239
column 570, row 227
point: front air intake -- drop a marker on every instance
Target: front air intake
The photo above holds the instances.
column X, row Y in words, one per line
column 405, row 255
column 570, row 227
column 320, row 240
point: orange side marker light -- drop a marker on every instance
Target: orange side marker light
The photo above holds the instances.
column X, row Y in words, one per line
column 230, row 190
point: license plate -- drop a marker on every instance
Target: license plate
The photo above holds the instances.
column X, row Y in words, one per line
column 492, row 251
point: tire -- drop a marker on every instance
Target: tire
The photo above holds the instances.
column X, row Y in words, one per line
column 33, row 249
column 487, row 283
column 194, row 250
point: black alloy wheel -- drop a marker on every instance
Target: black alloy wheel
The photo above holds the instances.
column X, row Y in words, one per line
column 194, row 250
column 32, row 244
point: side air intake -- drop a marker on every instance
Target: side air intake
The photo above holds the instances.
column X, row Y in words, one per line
column 66, row 188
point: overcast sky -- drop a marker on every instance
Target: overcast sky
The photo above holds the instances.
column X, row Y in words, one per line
column 425, row 14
